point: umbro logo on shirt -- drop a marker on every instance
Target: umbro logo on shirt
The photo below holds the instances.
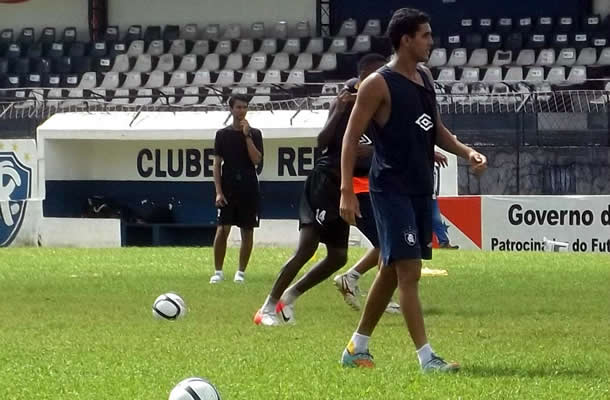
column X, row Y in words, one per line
column 425, row 122
column 365, row 140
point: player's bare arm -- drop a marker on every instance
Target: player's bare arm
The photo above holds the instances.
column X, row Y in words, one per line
column 335, row 112
column 371, row 95
column 220, row 201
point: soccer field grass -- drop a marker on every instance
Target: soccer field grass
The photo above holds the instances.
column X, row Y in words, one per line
column 77, row 324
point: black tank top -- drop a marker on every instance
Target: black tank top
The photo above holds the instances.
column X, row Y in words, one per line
column 404, row 148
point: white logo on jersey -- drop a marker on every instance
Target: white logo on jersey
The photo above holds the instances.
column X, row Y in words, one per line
column 365, row 140
column 425, row 122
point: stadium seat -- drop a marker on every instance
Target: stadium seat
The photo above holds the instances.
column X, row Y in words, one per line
column 304, row 62
column 478, row 58
column 171, row 33
column 190, row 63
column 591, row 23
column 446, row 74
column 14, row 51
column 248, row 78
column 257, row 30
column 164, row 96
column 338, row 45
column 98, row 49
column 211, row 62
column 485, row 25
column 267, row 46
column 34, row 50
column 116, row 49
column 493, row 42
column 27, row 37
column 77, row 49
column 62, row 65
column 272, row 76
column 143, row 97
column 546, row 57
column 201, row 48
column 48, row 35
column 557, row 75
column 201, row 78
column 453, row 42
column 121, row 63
column 152, row 33
column 466, row 25
column 504, row 25
column 328, row 62
column 438, row 58
column 457, row 58
column 514, row 42
column 293, row 46
column 479, row 93
column 166, row 63
column 581, row 40
column 55, row 50
column 82, row 64
column 524, row 25
column 280, row 30
column 13, row 81
column 258, row 62
column 295, row 77
column 224, row 47
column 372, row 27
column 470, row 75
column 577, row 75
column 190, row 96
column 493, row 75
column 566, row 57
column 133, row 33
column 535, row 74
column 279, row 61
column 565, row 24
column 156, row 79
column 69, row 35
column 178, row 47
column 245, row 46
column 302, row 29
column 560, row 41
column 212, row 32
column 111, row 80
column 136, row 48
column 587, row 56
column 536, row 41
column 544, row 25
column 213, row 97
column 349, row 27
column 120, row 97
column 144, row 63
column 71, row 80
column 501, row 92
column 155, row 48
column 604, row 57
column 22, row 66
column 111, row 34
column 102, row 64
column 262, row 95
column 33, row 80
column 6, row 37
column 3, row 66
column 502, row 58
column 599, row 40
column 225, row 78
column 459, row 92
column 190, row 32
column 233, row 31
column 235, row 61
column 526, row 57
column 362, row 44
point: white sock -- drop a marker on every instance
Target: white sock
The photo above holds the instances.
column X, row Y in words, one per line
column 358, row 344
column 219, row 273
column 240, row 273
column 353, row 273
column 290, row 295
column 269, row 305
column 424, row 354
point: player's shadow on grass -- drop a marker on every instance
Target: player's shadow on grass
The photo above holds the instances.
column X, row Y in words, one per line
column 524, row 372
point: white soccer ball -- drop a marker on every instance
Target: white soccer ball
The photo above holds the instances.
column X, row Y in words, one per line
column 169, row 306
column 194, row 389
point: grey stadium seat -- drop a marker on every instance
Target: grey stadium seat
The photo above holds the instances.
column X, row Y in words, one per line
column 133, row 80
column 225, row 78
column 577, row 75
column 526, row 57
column 457, row 58
column 567, row 57
column 121, row 63
column 235, row 61
column 546, row 57
column 156, row 79
column 189, row 63
column 348, row 28
column 212, row 32
column 201, row 48
column 281, row 61
column 557, row 75
column 280, row 30
column 292, row 46
column 502, row 58
column 372, row 28
column 272, row 77
column 224, row 47
column 302, row 29
column 493, row 75
column 233, row 31
column 178, row 79
column 269, row 46
column 189, row 32
column 362, row 44
column 304, row 62
column 202, row 78
column 156, row 48
column 258, row 62
column 245, row 46
column 535, row 74
column 338, row 45
column 135, row 48
column 438, row 58
column 514, row 74
column 178, row 47
column 315, row 46
column 328, row 62
column 143, row 63
column 478, row 58
column 257, row 30
column 470, row 74
column 211, row 62
column 166, row 63
column 587, row 56
column 249, row 78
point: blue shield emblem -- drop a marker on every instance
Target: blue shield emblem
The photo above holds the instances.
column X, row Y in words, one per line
column 15, row 190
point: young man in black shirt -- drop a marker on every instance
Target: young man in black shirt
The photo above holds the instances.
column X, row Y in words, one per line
column 238, row 149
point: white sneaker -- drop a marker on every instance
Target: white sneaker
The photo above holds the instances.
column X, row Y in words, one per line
column 217, row 277
column 239, row 277
column 286, row 312
column 267, row 318
column 348, row 286
column 393, row 308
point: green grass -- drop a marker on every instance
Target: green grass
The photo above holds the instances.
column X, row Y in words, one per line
column 76, row 324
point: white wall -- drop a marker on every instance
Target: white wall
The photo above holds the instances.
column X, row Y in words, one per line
column 42, row 13
column 601, row 7
column 203, row 12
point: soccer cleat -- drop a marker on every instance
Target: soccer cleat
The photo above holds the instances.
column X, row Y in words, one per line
column 266, row 319
column 217, row 277
column 437, row 364
column 448, row 246
column 357, row 360
column 239, row 277
column 285, row 312
column 348, row 286
column 393, row 308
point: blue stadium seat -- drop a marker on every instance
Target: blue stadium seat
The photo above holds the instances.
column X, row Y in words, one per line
column 171, row 32
column 190, row 32
column 98, row 49
column 111, row 34
column 504, row 25
column 485, row 25
column 566, row 24
column 544, row 25
column 48, row 35
column 56, row 50
column 69, row 35
column 133, row 33
column 524, row 25
column 591, row 23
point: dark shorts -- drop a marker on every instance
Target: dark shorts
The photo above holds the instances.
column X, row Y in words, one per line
column 367, row 224
column 319, row 207
column 404, row 224
column 242, row 211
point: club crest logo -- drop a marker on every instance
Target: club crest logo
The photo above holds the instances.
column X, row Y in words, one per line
column 410, row 237
column 15, row 190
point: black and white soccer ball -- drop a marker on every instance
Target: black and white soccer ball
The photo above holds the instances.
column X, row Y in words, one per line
column 169, row 306
column 194, row 389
